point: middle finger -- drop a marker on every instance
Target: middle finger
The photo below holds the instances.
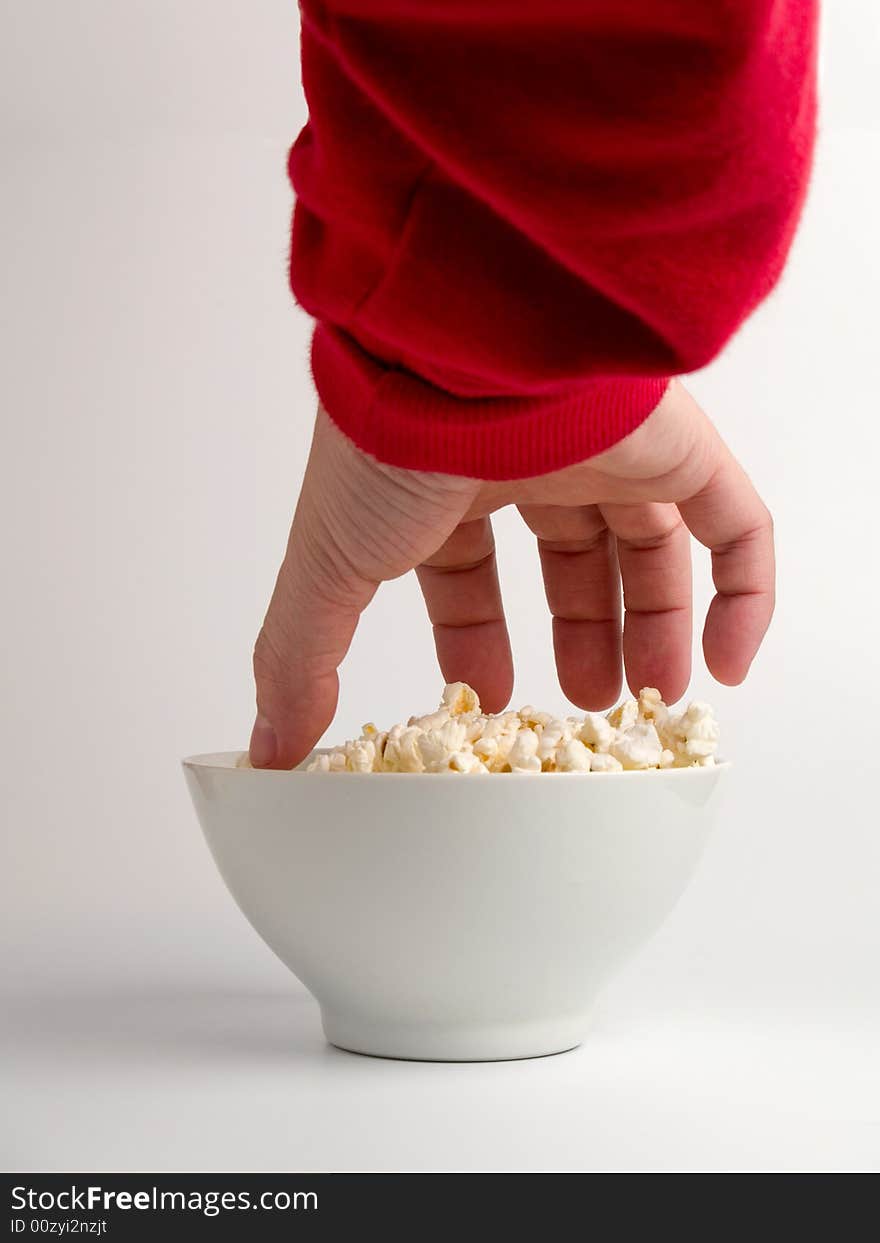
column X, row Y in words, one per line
column 653, row 548
column 582, row 585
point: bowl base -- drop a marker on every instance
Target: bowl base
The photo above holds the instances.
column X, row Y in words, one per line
column 424, row 1043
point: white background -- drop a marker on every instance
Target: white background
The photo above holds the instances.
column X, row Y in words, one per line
column 156, row 414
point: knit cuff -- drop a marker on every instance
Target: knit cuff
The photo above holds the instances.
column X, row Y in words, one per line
column 404, row 421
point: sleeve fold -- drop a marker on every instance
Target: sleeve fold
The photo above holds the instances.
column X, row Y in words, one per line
column 514, row 221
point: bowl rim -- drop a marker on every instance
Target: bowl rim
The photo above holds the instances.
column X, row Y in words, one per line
column 226, row 761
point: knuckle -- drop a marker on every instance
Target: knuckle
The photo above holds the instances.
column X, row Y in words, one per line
column 576, row 547
column 282, row 680
column 269, row 661
column 440, row 565
column 654, row 541
column 653, row 528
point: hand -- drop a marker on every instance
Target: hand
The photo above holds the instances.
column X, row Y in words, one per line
column 623, row 516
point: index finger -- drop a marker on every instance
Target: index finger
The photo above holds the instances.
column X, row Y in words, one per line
column 307, row 631
column 729, row 517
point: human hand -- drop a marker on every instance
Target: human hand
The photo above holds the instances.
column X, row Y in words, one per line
column 624, row 516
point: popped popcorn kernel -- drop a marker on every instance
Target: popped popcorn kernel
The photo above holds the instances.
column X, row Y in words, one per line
column 651, row 706
column 596, row 732
column 459, row 698
column 573, row 757
column 532, row 718
column 624, row 715
column 361, row 755
column 436, row 745
column 638, row 747
column 523, row 755
column 604, row 762
column 402, row 753
column 692, row 736
column 553, row 736
column 465, row 762
column 432, row 720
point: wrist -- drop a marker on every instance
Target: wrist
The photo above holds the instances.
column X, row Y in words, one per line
column 403, row 420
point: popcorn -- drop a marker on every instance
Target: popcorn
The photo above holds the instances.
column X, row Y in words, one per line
column 603, row 762
column 640, row 734
column 434, row 720
column 523, row 756
column 651, row 706
column 459, row 698
column 496, row 740
column 638, row 747
column 597, row 732
column 555, row 734
column 437, row 745
column 624, row 716
column 361, row 755
column 574, row 757
column 532, row 718
column 402, row 753
column 486, row 749
column 692, row 737
column 335, row 762
column 465, row 762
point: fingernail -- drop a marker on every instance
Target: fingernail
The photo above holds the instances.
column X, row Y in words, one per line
column 264, row 744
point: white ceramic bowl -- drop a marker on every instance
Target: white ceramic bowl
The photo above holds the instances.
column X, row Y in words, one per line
column 449, row 917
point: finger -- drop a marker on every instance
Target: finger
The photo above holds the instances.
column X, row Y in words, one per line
column 358, row 523
column 729, row 517
column 653, row 550
column 306, row 633
column 463, row 597
column 582, row 584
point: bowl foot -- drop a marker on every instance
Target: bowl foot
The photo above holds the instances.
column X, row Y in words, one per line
column 434, row 1043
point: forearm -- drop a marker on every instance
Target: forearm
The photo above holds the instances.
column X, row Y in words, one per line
column 515, row 221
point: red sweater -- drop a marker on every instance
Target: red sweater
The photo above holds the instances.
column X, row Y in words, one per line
column 516, row 219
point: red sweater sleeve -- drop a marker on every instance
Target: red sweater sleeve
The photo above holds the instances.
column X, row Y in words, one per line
column 515, row 220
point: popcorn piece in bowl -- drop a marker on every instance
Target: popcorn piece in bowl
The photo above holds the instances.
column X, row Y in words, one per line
column 459, row 698
column 597, row 732
column 402, row 754
column 334, row 762
column 465, row 762
column 692, row 737
column 624, row 716
column 604, row 762
column 638, row 747
column 523, row 755
column 574, row 757
column 554, row 736
column 639, row 735
column 437, row 746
